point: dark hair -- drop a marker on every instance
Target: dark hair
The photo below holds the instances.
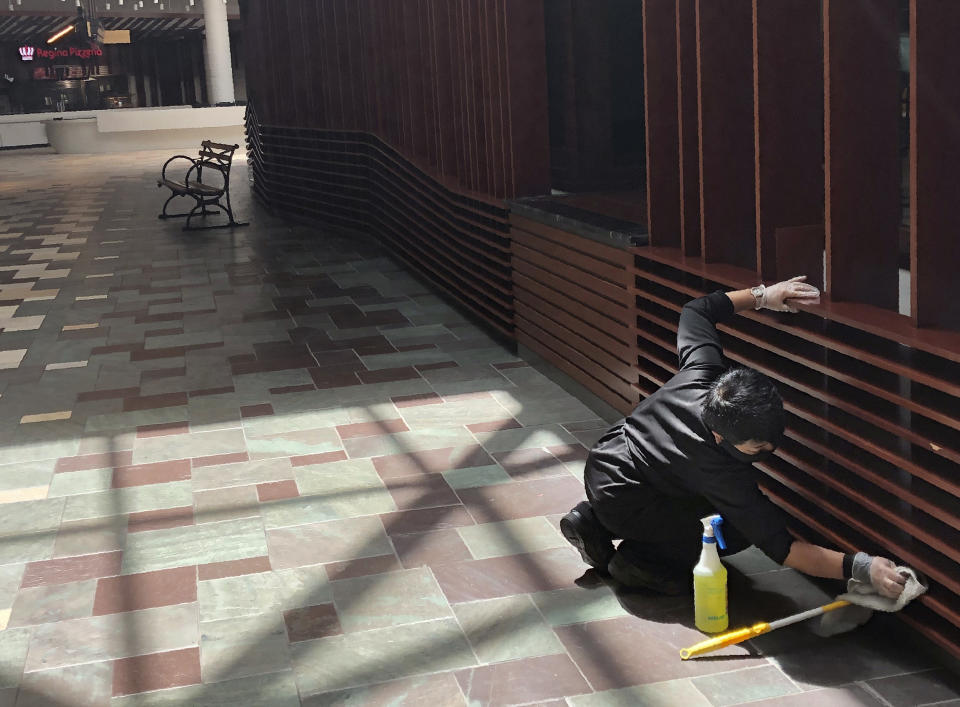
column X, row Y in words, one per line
column 742, row 405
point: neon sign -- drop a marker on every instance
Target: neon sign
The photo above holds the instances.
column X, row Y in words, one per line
column 28, row 53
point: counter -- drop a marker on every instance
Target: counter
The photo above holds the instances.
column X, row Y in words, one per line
column 123, row 130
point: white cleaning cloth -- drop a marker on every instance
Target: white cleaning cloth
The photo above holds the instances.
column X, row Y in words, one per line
column 865, row 600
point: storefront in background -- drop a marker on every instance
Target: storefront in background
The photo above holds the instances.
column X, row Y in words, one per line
column 166, row 70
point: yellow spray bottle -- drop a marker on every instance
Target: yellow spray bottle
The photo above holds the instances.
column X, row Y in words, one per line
column 710, row 580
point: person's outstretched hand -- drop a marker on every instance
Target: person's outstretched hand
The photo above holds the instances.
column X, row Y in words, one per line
column 885, row 578
column 783, row 296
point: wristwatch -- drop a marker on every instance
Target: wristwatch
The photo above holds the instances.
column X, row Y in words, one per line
column 757, row 293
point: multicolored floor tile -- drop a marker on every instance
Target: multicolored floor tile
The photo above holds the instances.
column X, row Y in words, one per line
column 271, row 467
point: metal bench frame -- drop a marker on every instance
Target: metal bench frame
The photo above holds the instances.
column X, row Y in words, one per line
column 213, row 156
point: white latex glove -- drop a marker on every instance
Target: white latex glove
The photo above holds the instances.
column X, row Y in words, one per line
column 880, row 573
column 782, row 296
column 885, row 578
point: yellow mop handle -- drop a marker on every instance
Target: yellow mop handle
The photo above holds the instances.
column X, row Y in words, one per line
column 732, row 637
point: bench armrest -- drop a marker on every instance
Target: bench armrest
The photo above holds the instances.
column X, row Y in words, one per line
column 193, row 165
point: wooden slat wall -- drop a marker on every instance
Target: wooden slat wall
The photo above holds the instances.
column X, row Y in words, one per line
column 573, row 310
column 409, row 120
column 455, row 86
column 871, row 455
column 871, row 452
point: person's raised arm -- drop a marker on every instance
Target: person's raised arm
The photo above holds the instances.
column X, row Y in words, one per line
column 782, row 297
column 697, row 340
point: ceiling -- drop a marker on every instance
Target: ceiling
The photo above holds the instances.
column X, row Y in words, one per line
column 39, row 18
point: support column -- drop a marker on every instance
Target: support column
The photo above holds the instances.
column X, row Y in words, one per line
column 217, row 51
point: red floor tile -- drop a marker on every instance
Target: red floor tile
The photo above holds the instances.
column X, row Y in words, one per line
column 163, row 429
column 494, row 577
column 410, row 492
column 362, row 567
column 371, row 429
column 256, row 410
column 323, row 458
column 522, row 499
column 277, row 490
column 157, row 671
column 312, row 622
column 153, row 402
column 407, row 401
column 606, row 652
column 389, row 375
column 72, row 569
column 283, row 390
column 431, row 461
column 156, row 473
column 133, row 592
column 438, row 547
column 217, row 459
column 436, row 366
column 424, row 520
column 495, row 425
column 234, row 568
column 104, row 460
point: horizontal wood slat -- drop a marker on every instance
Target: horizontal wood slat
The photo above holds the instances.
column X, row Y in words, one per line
column 572, row 308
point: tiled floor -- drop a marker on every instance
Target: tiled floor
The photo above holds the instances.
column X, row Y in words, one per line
column 269, row 467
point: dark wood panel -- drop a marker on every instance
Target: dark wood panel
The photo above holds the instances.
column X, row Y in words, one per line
column 660, row 82
column 688, row 126
column 788, row 91
column 725, row 85
column 934, row 158
column 863, row 172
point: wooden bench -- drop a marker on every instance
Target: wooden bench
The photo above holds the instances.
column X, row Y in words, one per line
column 206, row 181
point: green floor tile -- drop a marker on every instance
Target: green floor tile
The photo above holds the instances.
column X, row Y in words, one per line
column 506, row 629
column 389, row 599
column 263, row 592
column 78, row 482
column 186, row 446
column 511, row 537
column 367, row 657
column 112, row 636
column 576, row 605
column 194, row 545
column 133, row 499
column 241, row 647
column 748, row 685
column 13, row 655
column 273, row 690
column 662, row 694
column 472, row 477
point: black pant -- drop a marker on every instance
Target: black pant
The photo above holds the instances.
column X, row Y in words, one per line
column 659, row 528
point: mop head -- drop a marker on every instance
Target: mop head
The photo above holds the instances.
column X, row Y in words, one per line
column 864, row 600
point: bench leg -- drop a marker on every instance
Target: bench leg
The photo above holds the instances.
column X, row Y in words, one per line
column 164, row 215
column 231, row 223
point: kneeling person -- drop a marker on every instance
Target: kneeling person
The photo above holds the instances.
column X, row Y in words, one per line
column 686, row 452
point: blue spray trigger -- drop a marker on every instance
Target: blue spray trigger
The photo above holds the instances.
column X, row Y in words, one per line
column 717, row 533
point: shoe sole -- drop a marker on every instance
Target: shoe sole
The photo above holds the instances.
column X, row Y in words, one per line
column 569, row 531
